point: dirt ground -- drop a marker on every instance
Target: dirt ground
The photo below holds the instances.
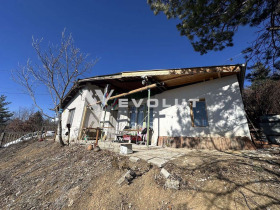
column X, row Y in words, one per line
column 43, row 175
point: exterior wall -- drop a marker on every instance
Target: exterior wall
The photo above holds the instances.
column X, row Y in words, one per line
column 225, row 111
column 84, row 97
column 78, row 103
column 93, row 114
column 123, row 118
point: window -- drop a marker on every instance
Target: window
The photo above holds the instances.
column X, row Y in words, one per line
column 151, row 117
column 198, row 113
column 132, row 117
column 71, row 116
column 138, row 116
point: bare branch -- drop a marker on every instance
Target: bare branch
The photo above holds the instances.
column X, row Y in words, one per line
column 57, row 70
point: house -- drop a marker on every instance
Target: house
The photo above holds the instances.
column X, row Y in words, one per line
column 199, row 107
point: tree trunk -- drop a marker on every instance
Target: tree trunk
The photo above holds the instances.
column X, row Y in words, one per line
column 60, row 126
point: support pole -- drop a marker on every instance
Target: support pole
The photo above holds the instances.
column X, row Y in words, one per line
column 105, row 110
column 97, row 135
column 148, row 120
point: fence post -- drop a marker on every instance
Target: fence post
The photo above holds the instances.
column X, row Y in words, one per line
column 2, row 138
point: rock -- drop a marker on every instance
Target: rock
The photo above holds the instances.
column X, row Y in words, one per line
column 165, row 173
column 127, row 177
column 134, row 159
column 172, row 184
column 71, row 202
column 72, row 194
column 159, row 162
column 90, row 147
column 96, row 149
column 122, row 181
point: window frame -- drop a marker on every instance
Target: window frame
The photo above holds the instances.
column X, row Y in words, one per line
column 192, row 113
column 130, row 111
column 145, row 115
column 71, row 113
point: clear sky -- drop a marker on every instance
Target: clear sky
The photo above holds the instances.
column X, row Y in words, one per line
column 124, row 34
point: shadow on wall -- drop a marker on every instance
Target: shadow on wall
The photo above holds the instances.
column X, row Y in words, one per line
column 227, row 128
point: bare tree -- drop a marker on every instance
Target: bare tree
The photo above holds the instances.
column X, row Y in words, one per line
column 23, row 113
column 262, row 99
column 58, row 68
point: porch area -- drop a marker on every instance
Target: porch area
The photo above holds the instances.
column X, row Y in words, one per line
column 155, row 155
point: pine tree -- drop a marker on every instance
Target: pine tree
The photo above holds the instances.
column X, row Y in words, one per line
column 5, row 114
column 258, row 74
column 211, row 24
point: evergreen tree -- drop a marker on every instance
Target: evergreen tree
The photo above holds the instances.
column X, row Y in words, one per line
column 5, row 114
column 36, row 121
column 211, row 25
column 258, row 74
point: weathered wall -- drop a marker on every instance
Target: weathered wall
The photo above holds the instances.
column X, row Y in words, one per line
column 218, row 143
column 93, row 114
column 84, row 97
column 225, row 111
column 78, row 103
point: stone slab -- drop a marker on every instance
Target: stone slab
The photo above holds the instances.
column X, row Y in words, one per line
column 165, row 173
column 159, row 162
column 134, row 159
column 172, row 184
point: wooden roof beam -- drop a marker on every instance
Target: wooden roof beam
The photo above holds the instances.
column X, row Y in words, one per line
column 130, row 92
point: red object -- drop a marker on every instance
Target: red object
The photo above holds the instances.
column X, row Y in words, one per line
column 132, row 139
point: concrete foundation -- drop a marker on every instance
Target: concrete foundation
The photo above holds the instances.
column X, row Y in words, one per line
column 218, row 143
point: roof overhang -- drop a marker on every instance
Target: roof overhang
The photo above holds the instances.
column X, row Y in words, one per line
column 169, row 78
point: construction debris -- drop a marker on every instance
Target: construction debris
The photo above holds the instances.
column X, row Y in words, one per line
column 127, row 177
column 165, row 173
column 159, row 162
column 134, row 159
column 172, row 184
column 96, row 149
column 90, row 147
column 126, row 149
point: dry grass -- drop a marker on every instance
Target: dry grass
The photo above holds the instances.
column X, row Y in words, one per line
column 43, row 175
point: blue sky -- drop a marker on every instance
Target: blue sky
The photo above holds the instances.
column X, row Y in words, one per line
column 124, row 34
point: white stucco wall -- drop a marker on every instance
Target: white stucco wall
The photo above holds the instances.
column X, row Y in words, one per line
column 93, row 115
column 76, row 103
column 225, row 110
column 84, row 97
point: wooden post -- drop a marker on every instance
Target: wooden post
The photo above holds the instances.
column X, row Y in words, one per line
column 83, row 120
column 191, row 110
column 2, row 138
column 97, row 134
